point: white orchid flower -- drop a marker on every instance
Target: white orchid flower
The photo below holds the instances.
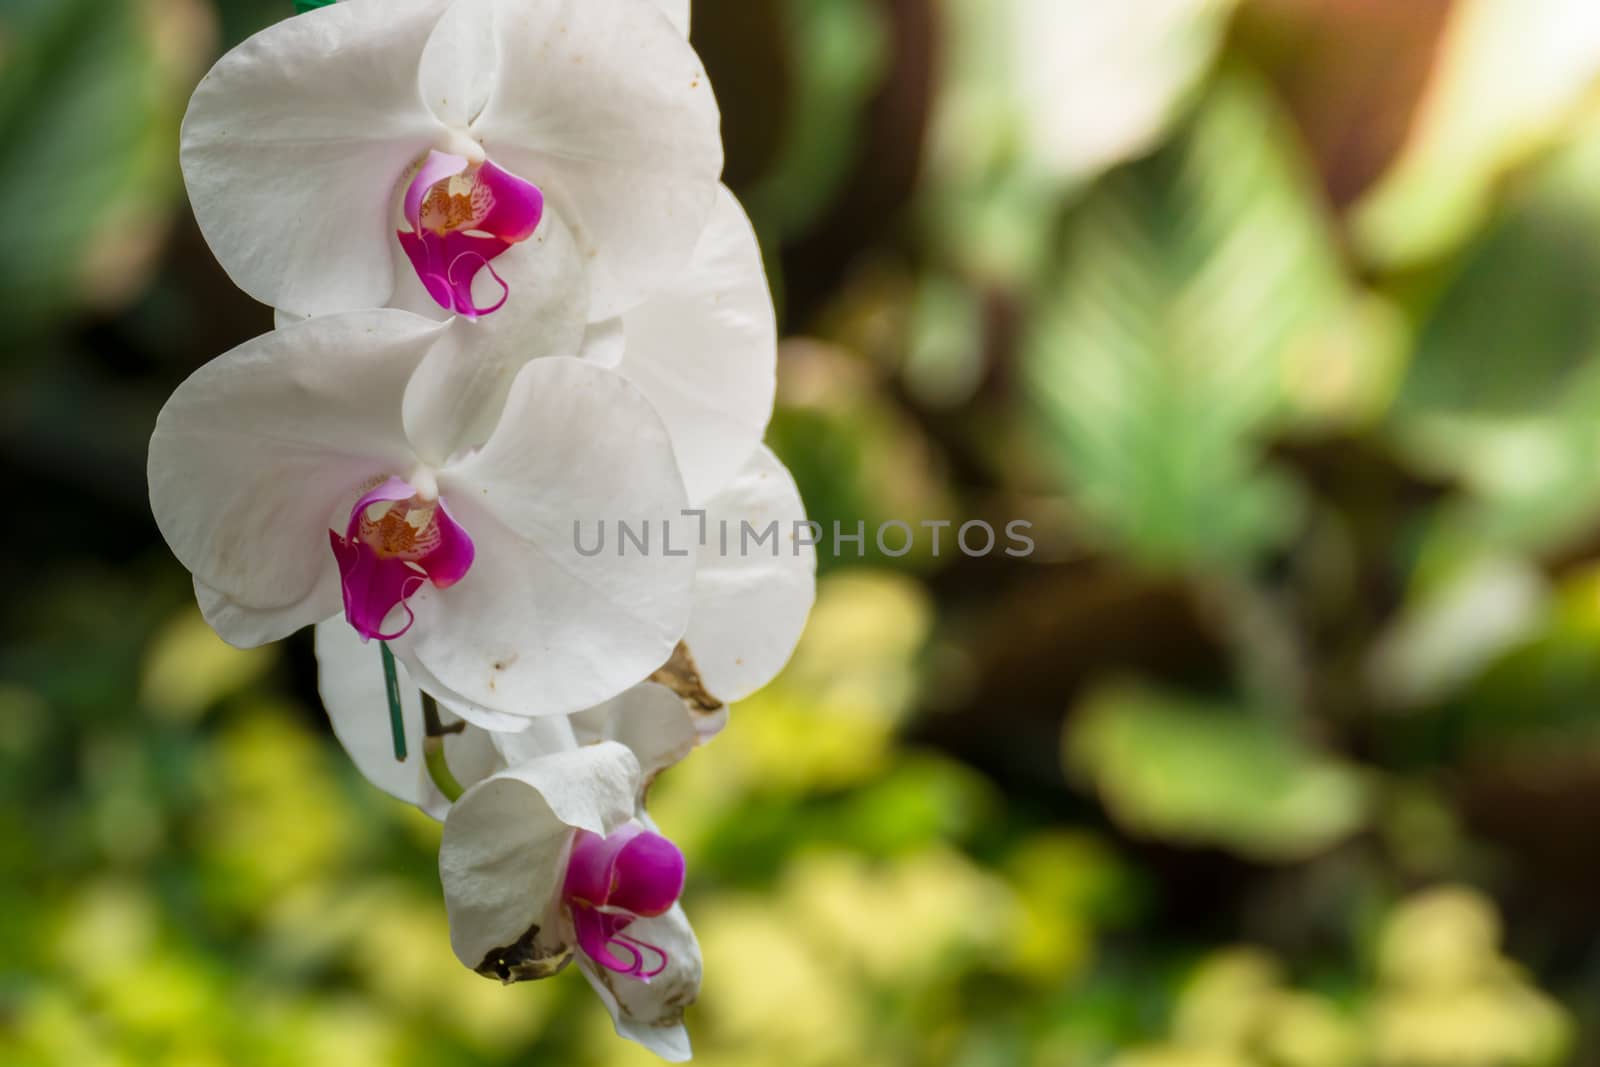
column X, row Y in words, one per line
column 329, row 145
column 747, row 615
column 387, row 464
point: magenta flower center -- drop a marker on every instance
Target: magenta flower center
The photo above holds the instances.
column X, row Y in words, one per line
column 394, row 543
column 611, row 883
column 461, row 216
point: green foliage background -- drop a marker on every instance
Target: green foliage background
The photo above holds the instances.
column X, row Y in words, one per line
column 1280, row 322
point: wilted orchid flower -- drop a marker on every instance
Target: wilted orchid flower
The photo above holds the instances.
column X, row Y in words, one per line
column 358, row 464
column 330, row 145
column 551, row 860
column 546, row 810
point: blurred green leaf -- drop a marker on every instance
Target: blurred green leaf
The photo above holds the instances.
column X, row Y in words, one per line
column 1519, row 324
column 859, row 459
column 1447, row 634
column 1038, row 98
column 90, row 96
column 1509, row 78
column 1198, row 774
column 1448, row 997
column 1503, row 392
column 841, row 55
column 1163, row 351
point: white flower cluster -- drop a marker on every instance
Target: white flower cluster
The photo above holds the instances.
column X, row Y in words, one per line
column 512, row 297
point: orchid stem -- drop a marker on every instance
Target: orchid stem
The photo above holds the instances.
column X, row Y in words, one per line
column 434, row 732
column 391, row 688
column 302, row 6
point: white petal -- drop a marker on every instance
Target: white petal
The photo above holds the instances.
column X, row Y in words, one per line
column 752, row 600
column 459, row 63
column 651, row 1013
column 607, row 109
column 678, row 12
column 457, row 396
column 252, row 456
column 351, row 682
column 650, row 719
column 503, row 857
column 605, row 342
column 543, row 737
column 536, row 628
column 483, row 718
column 704, row 350
column 244, row 627
column 293, row 147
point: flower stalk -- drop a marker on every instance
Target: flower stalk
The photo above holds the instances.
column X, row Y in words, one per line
column 434, row 732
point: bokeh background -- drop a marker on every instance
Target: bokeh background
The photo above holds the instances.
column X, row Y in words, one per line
column 1280, row 320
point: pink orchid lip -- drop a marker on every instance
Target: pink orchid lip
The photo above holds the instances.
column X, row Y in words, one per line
column 461, row 218
column 613, row 881
column 394, row 543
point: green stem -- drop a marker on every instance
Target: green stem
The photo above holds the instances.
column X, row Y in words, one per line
column 391, row 688
column 433, row 751
column 302, row 6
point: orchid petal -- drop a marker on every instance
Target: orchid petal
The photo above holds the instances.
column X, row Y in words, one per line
column 502, row 860
column 599, row 941
column 459, row 63
column 650, row 873
column 244, row 627
column 292, row 146
column 254, row 455
column 704, row 350
column 434, row 169
column 605, row 342
column 651, row 1013
column 538, row 628
column 541, row 737
column 460, row 390
column 450, row 266
column 751, row 601
column 650, row 719
column 678, row 12
column 350, row 680
column 518, row 204
column 592, row 867
column 606, row 108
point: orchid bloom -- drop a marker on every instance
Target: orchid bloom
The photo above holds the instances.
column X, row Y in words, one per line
column 333, row 145
column 379, row 465
column 746, row 616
